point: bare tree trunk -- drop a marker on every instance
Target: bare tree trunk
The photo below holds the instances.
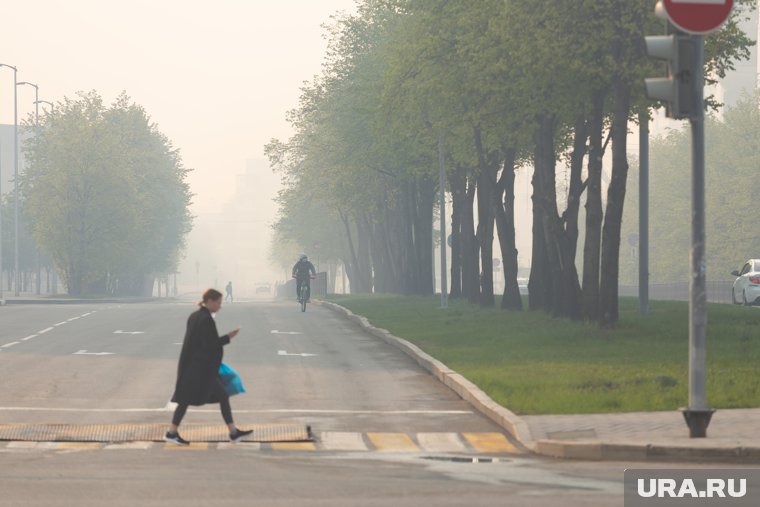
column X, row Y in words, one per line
column 458, row 184
column 539, row 290
column 485, row 224
column 593, row 241
column 363, row 234
column 470, row 247
column 608, row 288
column 564, row 286
column 504, row 213
column 423, row 235
column 353, row 266
column 576, row 183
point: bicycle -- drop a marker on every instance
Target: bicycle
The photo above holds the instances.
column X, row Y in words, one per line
column 304, row 295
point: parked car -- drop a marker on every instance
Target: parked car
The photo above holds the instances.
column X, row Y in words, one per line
column 746, row 289
column 263, row 288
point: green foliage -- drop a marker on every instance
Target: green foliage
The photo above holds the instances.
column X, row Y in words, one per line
column 732, row 184
column 401, row 74
column 105, row 195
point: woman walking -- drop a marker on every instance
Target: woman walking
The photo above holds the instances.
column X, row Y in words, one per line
column 198, row 379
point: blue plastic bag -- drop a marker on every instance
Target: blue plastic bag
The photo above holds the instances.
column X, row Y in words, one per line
column 231, row 380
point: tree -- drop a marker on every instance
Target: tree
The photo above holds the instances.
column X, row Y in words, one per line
column 105, row 195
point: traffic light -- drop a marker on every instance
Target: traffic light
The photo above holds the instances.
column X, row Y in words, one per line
column 678, row 89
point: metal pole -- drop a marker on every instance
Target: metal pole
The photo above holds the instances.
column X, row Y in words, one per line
column 442, row 184
column 36, row 136
column 698, row 415
column 644, row 211
column 15, row 157
column 1, row 224
column 15, row 181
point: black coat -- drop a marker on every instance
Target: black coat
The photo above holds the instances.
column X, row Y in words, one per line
column 199, row 360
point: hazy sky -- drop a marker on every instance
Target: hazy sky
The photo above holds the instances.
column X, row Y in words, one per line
column 217, row 77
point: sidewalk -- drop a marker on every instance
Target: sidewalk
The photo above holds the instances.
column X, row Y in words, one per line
column 733, row 435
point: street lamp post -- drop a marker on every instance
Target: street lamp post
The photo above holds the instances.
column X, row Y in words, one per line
column 36, row 132
column 15, row 173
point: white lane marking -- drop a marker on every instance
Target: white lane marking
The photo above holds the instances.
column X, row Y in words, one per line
column 45, row 330
column 274, row 331
column 73, row 319
column 85, row 353
column 285, row 353
column 59, row 324
column 86, row 314
column 11, row 344
column 265, row 411
column 28, row 337
column 128, row 332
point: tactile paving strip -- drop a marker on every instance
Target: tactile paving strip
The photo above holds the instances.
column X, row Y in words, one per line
column 276, row 432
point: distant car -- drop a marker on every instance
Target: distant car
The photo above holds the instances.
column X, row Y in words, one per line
column 746, row 289
column 263, row 288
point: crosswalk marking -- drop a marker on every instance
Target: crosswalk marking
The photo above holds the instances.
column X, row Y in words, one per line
column 194, row 446
column 490, row 442
column 129, row 446
column 343, row 441
column 250, row 446
column 78, row 446
column 392, row 442
column 293, row 446
column 443, row 442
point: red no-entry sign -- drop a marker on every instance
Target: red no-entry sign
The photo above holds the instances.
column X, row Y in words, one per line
column 698, row 16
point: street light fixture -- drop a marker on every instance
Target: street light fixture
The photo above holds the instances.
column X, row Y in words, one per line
column 52, row 106
column 15, row 172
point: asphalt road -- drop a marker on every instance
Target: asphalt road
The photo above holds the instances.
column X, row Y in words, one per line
column 388, row 433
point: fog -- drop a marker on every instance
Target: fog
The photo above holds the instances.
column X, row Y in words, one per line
column 217, row 78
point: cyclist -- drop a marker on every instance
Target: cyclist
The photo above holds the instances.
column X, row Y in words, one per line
column 303, row 271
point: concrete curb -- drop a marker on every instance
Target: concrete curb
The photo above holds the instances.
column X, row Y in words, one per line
column 589, row 450
column 453, row 380
column 601, row 451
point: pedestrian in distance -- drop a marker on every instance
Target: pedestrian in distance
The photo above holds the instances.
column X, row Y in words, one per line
column 198, row 381
column 228, row 288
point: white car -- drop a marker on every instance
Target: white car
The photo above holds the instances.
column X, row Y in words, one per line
column 746, row 288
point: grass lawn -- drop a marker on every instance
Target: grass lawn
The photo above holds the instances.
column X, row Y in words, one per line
column 532, row 363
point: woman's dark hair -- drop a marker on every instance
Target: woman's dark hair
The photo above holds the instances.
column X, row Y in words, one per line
column 210, row 295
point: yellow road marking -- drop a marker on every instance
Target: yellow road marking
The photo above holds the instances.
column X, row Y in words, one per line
column 490, row 442
column 392, row 442
column 293, row 446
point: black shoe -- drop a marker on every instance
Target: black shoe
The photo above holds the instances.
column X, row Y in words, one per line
column 239, row 435
column 174, row 438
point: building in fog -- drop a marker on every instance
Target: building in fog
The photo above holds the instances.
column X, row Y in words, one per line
column 233, row 242
column 6, row 158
